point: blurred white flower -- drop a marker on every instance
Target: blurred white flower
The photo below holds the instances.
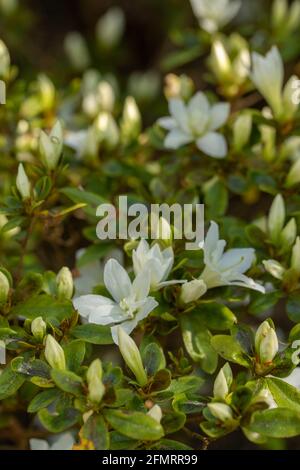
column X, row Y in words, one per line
column 196, row 122
column 131, row 303
column 214, row 14
column 110, row 27
column 268, row 76
column 157, row 262
column 224, row 269
column 62, row 442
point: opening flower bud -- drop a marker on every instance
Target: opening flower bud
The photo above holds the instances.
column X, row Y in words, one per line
column 131, row 356
column 38, row 328
column 223, row 382
column 192, row 291
column 266, row 342
column 51, row 146
column 54, row 353
column 221, row 411
column 155, row 413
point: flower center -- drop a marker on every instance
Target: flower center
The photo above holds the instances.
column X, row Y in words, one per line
column 129, row 307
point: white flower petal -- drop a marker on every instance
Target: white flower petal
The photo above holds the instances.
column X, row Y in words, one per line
column 219, row 114
column 213, row 144
column 87, row 304
column 179, row 112
column 116, row 280
column 168, row 123
column 177, row 138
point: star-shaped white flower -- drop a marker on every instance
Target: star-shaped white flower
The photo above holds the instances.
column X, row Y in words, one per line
column 130, row 304
column 214, row 14
column 158, row 263
column 224, row 269
column 196, row 122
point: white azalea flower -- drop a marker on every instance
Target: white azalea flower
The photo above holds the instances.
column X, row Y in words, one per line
column 131, row 303
column 62, row 442
column 196, row 122
column 158, row 263
column 214, row 14
column 268, row 76
column 224, row 269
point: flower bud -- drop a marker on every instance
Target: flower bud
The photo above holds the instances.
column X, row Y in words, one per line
column 64, row 281
column 288, row 235
column 38, row 328
column 54, row 353
column 105, row 96
column 131, row 356
column 161, row 229
column 266, row 342
column 51, row 146
column 223, row 382
column 279, row 13
column 77, row 51
column 293, row 176
column 47, row 91
column 290, row 98
column 110, row 28
column 23, row 183
column 178, row 86
column 107, row 129
column 221, row 411
column 155, row 413
column 94, row 380
column 4, row 61
column 192, row 291
column 274, row 268
column 131, row 121
column 295, row 259
column 241, row 131
column 268, row 347
column 220, row 62
column 4, row 288
column 276, row 218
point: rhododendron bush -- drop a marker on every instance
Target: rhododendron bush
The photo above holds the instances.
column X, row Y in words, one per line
column 113, row 342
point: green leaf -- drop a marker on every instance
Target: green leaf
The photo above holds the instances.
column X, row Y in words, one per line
column 285, row 395
column 67, row 381
column 215, row 316
column 95, row 431
column 31, row 367
column 43, row 399
column 169, row 444
column 74, row 353
column 78, row 195
column 173, row 422
column 153, row 358
column 135, row 425
column 276, row 423
column 58, row 422
column 293, row 307
column 230, row 349
column 120, row 442
column 161, row 380
column 94, row 334
column 264, row 302
column 10, row 382
column 196, row 338
column 216, row 198
column 44, row 306
column 187, row 384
